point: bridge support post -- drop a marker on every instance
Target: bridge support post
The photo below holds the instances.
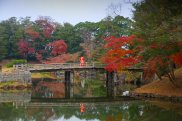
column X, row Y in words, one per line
column 67, row 84
column 110, row 84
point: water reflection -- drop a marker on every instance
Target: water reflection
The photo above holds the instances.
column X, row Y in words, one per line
column 20, row 106
column 24, row 96
column 81, row 84
column 56, row 88
column 53, row 89
column 105, row 111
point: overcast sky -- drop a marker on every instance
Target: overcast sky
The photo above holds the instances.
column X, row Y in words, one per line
column 72, row 11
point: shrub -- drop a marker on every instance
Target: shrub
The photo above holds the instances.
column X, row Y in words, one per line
column 13, row 62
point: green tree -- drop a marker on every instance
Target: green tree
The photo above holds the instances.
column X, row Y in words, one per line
column 117, row 26
column 9, row 36
column 3, row 49
column 86, row 30
column 68, row 33
column 158, row 23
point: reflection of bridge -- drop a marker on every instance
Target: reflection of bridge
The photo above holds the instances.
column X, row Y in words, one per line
column 35, row 103
column 15, row 96
column 63, row 66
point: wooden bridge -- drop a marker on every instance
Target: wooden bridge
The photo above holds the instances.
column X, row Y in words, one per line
column 69, row 68
column 64, row 66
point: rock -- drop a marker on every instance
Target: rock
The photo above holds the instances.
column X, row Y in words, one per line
column 20, row 87
column 126, row 93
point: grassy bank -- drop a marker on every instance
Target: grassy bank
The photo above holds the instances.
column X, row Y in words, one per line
column 13, row 85
column 164, row 87
column 43, row 75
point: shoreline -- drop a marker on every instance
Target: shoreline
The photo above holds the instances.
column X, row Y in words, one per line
column 152, row 96
column 161, row 89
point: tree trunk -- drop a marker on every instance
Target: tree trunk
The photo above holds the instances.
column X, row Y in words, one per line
column 158, row 76
column 171, row 79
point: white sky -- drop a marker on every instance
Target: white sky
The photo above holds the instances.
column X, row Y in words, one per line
column 72, row 11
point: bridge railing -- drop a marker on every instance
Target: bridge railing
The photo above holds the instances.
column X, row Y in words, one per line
column 64, row 66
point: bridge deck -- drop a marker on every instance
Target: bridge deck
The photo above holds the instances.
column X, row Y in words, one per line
column 66, row 66
column 63, row 66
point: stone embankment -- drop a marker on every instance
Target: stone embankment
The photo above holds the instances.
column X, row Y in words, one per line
column 156, row 96
column 15, row 97
column 23, row 76
column 15, row 79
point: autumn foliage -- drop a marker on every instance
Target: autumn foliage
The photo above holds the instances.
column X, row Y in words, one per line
column 39, row 42
column 58, row 47
column 32, row 34
column 159, row 58
column 178, row 57
column 63, row 58
column 118, row 55
column 23, row 47
column 155, row 58
column 46, row 25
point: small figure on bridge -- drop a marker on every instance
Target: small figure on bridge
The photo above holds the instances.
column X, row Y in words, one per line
column 82, row 108
column 82, row 61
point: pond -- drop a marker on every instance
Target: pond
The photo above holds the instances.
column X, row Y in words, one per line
column 84, row 84
column 48, row 101
column 93, row 111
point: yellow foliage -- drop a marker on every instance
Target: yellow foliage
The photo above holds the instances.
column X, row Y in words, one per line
column 129, row 75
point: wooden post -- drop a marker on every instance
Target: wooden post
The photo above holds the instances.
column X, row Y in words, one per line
column 67, row 84
column 110, row 84
column 0, row 68
column 71, row 84
column 141, row 77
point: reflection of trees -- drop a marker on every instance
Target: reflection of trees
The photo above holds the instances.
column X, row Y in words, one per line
column 92, row 88
column 9, row 113
column 127, row 111
column 49, row 89
column 67, row 112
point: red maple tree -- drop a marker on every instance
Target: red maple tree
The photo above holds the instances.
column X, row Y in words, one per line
column 58, row 47
column 63, row 58
column 118, row 55
column 23, row 47
column 32, row 33
column 159, row 58
column 46, row 25
column 178, row 58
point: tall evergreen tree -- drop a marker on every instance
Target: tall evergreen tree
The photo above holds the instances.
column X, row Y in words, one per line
column 159, row 24
column 9, row 36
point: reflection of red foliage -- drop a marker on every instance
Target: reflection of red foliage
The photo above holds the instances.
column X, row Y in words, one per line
column 118, row 56
column 46, row 114
column 82, row 108
column 111, row 118
column 55, row 87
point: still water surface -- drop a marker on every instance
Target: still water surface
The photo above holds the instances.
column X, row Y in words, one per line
column 105, row 111
column 27, row 105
